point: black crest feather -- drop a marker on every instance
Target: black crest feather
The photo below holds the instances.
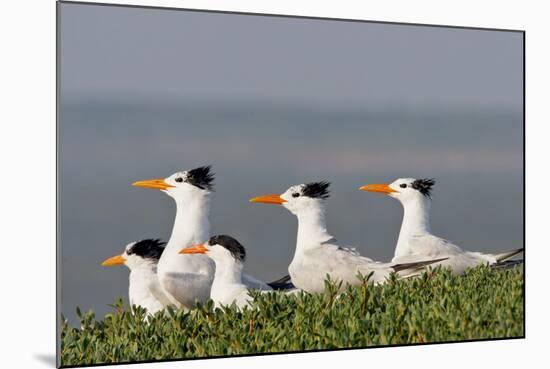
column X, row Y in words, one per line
column 231, row 244
column 150, row 248
column 424, row 186
column 201, row 177
column 317, row 190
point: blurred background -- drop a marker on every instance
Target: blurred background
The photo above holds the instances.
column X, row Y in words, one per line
column 270, row 102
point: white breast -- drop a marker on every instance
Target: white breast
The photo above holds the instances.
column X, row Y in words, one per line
column 144, row 290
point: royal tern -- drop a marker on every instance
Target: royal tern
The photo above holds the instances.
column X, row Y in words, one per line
column 229, row 255
column 416, row 241
column 141, row 258
column 187, row 278
column 318, row 253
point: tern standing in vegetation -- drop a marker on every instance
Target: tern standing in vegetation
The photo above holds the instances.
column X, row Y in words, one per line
column 229, row 255
column 416, row 242
column 141, row 258
column 318, row 253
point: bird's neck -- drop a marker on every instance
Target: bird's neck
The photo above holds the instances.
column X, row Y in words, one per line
column 191, row 225
column 227, row 272
column 312, row 230
column 145, row 267
column 416, row 221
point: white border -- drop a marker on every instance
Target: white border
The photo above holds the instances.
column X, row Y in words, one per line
column 27, row 304
column 397, row 11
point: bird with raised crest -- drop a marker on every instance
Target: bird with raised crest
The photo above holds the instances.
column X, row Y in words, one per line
column 416, row 240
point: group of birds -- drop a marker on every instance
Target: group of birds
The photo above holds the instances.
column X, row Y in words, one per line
column 194, row 266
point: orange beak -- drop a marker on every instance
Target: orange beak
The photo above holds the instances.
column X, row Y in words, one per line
column 157, row 184
column 115, row 260
column 195, row 249
column 382, row 188
column 269, row 199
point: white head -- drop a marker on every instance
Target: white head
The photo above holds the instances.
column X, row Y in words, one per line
column 222, row 249
column 300, row 198
column 144, row 253
column 183, row 185
column 405, row 189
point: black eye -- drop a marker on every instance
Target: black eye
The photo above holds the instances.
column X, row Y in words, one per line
column 179, row 179
column 403, row 185
column 295, row 194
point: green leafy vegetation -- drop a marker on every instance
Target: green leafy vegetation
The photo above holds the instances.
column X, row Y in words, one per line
column 436, row 307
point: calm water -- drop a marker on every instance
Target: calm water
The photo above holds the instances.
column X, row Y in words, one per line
column 476, row 158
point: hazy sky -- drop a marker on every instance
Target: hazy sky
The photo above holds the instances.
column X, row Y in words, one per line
column 271, row 102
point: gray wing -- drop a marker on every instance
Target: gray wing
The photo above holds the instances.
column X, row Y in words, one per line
column 426, row 247
column 433, row 246
column 339, row 262
column 156, row 291
column 185, row 288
